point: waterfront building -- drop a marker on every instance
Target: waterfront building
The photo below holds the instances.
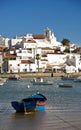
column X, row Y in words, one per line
column 23, row 50
column 1, row 61
column 30, row 46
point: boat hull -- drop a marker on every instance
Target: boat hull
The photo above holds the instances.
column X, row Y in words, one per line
column 42, row 83
column 24, row 106
column 65, row 85
column 40, row 105
column 31, row 104
column 14, row 77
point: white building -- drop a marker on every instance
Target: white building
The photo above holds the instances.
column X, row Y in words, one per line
column 42, row 44
column 15, row 41
column 56, row 59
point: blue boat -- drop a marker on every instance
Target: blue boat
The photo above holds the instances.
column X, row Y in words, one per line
column 33, row 103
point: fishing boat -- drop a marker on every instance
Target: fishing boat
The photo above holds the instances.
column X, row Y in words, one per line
column 14, row 77
column 67, row 77
column 41, row 82
column 65, row 85
column 32, row 103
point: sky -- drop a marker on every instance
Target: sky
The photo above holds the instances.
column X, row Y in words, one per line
column 63, row 17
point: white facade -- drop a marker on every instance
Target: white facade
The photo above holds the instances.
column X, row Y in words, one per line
column 32, row 46
column 70, row 69
column 7, row 42
column 74, row 60
column 14, row 66
column 56, row 59
column 29, row 45
column 51, row 38
column 1, row 61
column 49, row 41
column 15, row 41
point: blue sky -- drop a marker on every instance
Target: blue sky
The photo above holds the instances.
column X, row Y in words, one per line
column 63, row 17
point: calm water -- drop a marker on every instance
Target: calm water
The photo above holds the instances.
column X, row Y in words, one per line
column 63, row 108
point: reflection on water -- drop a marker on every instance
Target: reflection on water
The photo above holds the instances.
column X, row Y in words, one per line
column 60, row 102
column 34, row 120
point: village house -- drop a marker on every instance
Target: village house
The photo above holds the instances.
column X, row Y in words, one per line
column 29, row 46
column 23, row 51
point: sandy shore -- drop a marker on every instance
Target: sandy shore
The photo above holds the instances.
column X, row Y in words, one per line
column 24, row 75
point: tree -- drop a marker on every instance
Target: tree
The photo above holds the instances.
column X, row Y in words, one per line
column 67, row 50
column 65, row 42
column 37, row 58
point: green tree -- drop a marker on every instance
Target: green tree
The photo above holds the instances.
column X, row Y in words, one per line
column 67, row 50
column 65, row 42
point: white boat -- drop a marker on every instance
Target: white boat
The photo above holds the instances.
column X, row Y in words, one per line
column 40, row 81
column 2, row 81
column 78, row 79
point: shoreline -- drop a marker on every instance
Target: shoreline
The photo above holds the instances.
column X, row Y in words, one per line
column 39, row 74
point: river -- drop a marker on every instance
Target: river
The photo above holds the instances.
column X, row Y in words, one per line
column 63, row 106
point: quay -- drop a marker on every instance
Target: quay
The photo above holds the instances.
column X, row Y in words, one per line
column 38, row 74
column 30, row 74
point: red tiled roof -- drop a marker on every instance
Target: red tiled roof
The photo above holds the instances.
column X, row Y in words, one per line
column 44, row 60
column 39, row 36
column 56, row 53
column 10, row 55
column 12, row 49
column 47, row 48
column 26, row 61
column 2, row 48
column 31, row 41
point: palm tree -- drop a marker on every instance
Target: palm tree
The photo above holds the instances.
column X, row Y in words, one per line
column 37, row 58
column 5, row 64
column 0, row 69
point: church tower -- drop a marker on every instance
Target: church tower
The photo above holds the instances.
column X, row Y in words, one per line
column 50, row 36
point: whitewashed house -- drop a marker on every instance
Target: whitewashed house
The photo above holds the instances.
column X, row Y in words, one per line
column 70, row 69
column 24, row 58
column 56, row 59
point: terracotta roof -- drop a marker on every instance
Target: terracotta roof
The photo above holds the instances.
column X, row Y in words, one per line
column 10, row 55
column 26, row 61
column 44, row 60
column 56, row 53
column 39, row 36
column 31, row 41
column 2, row 48
column 12, row 49
column 47, row 48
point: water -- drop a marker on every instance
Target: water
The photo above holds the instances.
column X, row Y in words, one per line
column 63, row 108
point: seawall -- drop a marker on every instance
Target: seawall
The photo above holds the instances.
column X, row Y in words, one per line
column 24, row 75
